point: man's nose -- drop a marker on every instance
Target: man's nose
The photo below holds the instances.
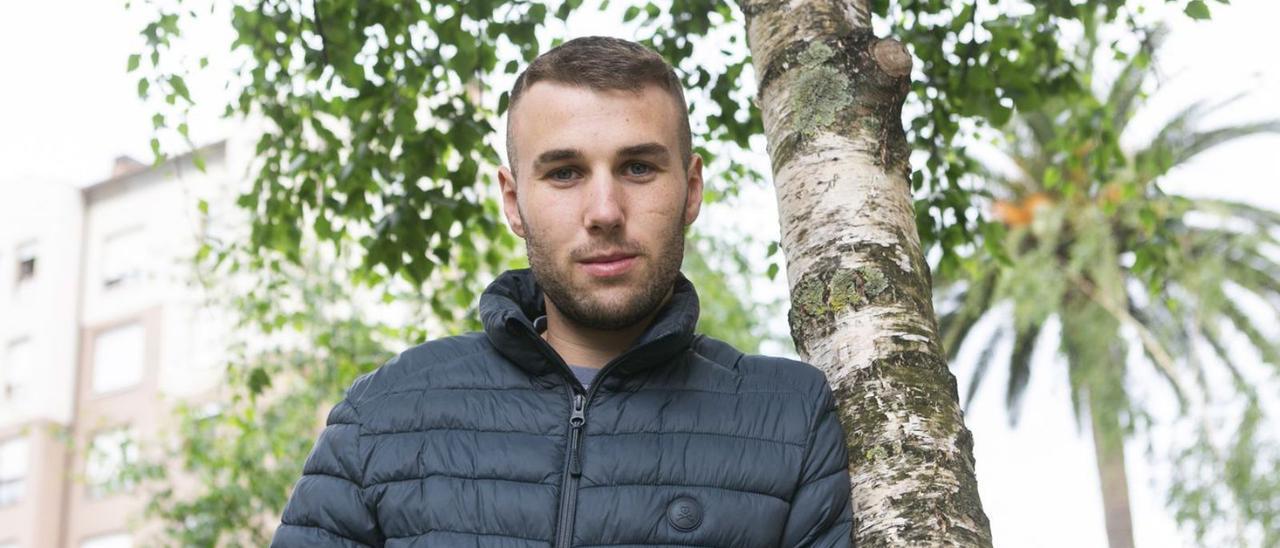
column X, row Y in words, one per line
column 604, row 204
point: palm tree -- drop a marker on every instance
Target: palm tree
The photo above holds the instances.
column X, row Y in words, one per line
column 1086, row 228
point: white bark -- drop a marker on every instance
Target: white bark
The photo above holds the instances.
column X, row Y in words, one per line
column 831, row 97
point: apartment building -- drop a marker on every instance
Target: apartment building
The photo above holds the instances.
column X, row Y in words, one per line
column 101, row 331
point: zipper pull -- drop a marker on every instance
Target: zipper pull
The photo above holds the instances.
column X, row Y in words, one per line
column 576, row 422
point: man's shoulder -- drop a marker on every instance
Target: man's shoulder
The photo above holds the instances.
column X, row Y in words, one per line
column 782, row 372
column 405, row 369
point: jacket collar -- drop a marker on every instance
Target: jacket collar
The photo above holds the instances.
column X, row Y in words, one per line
column 513, row 302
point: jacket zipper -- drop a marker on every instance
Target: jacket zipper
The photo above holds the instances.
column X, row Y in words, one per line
column 572, row 469
column 577, row 423
column 573, row 457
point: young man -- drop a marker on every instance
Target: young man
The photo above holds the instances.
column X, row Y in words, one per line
column 588, row 412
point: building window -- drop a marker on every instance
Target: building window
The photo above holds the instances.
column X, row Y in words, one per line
column 26, row 262
column 118, row 358
column 15, row 371
column 121, row 258
column 13, row 469
column 109, row 452
column 114, row 540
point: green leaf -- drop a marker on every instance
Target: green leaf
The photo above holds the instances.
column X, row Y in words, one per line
column 1052, row 177
column 258, row 381
column 504, row 102
column 1197, row 9
column 538, row 12
column 134, row 61
column 1148, row 219
column 180, row 87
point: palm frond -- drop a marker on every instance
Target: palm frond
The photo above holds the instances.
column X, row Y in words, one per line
column 1024, row 345
column 1188, row 146
column 1128, row 85
column 1043, row 129
column 1263, row 217
column 1181, row 138
column 983, row 364
column 1212, row 335
column 1259, row 275
column 1191, row 114
column 954, row 326
column 1219, row 244
column 1266, row 347
column 1169, row 333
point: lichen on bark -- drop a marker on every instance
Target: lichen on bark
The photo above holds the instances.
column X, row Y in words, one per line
column 842, row 85
column 821, row 92
column 830, row 289
column 915, row 438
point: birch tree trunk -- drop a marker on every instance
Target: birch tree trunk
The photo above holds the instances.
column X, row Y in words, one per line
column 831, row 96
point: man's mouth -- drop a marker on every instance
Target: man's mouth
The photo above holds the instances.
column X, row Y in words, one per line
column 608, row 265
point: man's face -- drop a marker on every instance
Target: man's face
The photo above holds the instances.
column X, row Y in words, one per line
column 602, row 199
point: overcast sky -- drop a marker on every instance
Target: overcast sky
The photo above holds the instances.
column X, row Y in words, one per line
column 68, row 109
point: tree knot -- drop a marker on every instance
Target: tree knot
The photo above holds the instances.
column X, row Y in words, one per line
column 892, row 57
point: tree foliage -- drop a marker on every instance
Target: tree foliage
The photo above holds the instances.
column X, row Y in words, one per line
column 378, row 112
column 221, row 475
column 377, row 121
column 1082, row 230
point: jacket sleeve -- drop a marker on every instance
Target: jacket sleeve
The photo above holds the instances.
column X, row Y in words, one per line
column 821, row 514
column 327, row 507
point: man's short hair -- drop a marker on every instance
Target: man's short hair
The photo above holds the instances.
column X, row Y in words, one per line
column 604, row 64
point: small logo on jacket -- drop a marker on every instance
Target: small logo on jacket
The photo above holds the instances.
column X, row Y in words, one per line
column 684, row 514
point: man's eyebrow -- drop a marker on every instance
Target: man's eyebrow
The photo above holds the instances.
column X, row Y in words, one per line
column 556, row 155
column 656, row 150
column 647, row 149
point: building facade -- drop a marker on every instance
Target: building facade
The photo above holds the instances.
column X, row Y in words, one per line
column 102, row 330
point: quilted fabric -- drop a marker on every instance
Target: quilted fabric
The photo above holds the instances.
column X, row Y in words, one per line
column 473, row 441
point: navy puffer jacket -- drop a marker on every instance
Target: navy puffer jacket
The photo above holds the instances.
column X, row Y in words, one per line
column 487, row 440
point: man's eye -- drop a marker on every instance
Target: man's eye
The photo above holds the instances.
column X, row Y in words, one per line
column 561, row 174
column 644, row 169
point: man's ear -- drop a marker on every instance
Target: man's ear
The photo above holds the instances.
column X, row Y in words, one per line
column 510, row 206
column 693, row 201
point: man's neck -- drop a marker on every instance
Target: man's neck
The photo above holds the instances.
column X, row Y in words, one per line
column 587, row 347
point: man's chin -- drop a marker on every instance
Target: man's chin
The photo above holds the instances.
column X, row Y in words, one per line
column 605, row 310
column 614, row 296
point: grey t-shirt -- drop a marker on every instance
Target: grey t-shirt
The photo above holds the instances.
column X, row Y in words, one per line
column 584, row 374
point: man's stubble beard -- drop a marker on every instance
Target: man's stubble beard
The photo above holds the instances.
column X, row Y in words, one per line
column 580, row 307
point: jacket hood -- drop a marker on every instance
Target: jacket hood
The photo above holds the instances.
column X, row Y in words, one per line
column 513, row 303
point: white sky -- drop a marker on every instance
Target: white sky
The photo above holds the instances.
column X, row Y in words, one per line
column 67, row 109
